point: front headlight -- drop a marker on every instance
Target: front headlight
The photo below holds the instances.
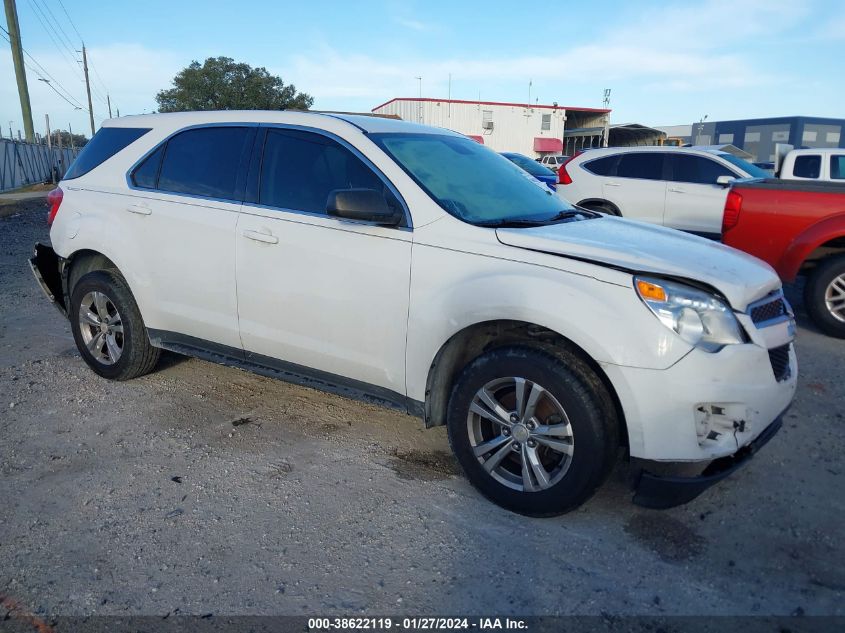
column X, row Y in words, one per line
column 699, row 318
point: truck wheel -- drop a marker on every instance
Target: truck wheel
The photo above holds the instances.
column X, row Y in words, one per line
column 534, row 433
column 824, row 296
column 108, row 328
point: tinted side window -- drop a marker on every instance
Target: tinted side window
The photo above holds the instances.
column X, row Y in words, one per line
column 807, row 166
column 646, row 165
column 146, row 174
column 105, row 144
column 300, row 169
column 203, row 162
column 837, row 167
column 697, row 169
column 602, row 166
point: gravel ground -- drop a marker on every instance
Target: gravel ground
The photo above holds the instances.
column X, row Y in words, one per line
column 204, row 489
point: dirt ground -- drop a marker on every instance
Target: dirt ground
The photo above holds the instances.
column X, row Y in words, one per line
column 203, row 489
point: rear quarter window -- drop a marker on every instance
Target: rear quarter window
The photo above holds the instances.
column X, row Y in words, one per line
column 601, row 166
column 105, row 144
column 203, row 162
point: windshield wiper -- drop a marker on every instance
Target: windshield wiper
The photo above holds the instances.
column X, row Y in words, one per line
column 567, row 214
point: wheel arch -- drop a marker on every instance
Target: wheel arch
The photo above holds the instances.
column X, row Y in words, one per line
column 826, row 237
column 592, row 203
column 473, row 340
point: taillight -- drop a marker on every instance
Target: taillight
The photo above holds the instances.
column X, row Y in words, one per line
column 563, row 177
column 54, row 199
column 733, row 205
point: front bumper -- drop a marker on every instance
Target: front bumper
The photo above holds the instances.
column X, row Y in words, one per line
column 661, row 491
column 48, row 269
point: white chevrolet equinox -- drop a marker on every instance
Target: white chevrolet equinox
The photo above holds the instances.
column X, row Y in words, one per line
column 411, row 266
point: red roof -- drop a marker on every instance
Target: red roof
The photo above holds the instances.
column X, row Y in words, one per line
column 476, row 138
column 546, row 144
column 494, row 103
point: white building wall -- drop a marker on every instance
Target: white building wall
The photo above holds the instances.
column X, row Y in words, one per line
column 514, row 126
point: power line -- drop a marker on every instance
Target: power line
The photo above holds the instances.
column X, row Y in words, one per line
column 58, row 24
column 69, row 19
column 49, row 82
column 97, row 93
column 48, row 28
column 52, row 80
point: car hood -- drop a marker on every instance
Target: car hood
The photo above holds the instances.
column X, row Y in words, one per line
column 646, row 248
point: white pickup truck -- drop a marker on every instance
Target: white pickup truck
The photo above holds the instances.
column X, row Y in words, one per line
column 819, row 164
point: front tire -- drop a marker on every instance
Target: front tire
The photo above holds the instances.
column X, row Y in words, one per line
column 824, row 296
column 108, row 328
column 535, row 433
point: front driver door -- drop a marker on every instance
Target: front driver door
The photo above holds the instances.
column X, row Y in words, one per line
column 315, row 291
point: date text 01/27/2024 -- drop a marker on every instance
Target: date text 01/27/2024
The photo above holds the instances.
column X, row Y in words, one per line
column 415, row 624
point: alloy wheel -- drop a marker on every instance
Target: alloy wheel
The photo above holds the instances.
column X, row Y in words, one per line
column 101, row 327
column 520, row 434
column 834, row 297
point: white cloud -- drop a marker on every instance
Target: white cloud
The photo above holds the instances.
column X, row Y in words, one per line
column 132, row 74
column 415, row 25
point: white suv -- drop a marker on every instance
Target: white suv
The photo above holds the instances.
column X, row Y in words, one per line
column 412, row 266
column 683, row 188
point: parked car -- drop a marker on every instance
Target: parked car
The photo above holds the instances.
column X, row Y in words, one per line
column 552, row 162
column 541, row 173
column 798, row 228
column 413, row 267
column 818, row 164
column 680, row 187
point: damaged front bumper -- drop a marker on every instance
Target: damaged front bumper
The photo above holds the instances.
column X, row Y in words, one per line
column 667, row 489
column 48, row 269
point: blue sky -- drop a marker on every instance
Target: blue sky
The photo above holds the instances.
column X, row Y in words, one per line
column 667, row 62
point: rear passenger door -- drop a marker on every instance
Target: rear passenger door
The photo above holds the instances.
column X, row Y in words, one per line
column 694, row 202
column 183, row 214
column 638, row 187
column 317, row 292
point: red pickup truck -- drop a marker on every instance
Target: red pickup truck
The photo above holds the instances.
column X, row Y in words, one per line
column 799, row 229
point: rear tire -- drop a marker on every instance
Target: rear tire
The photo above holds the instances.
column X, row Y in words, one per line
column 108, row 328
column 540, row 459
column 824, row 296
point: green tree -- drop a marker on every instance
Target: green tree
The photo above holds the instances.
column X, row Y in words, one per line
column 221, row 84
column 79, row 140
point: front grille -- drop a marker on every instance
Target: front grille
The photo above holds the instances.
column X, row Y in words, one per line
column 768, row 311
column 779, row 357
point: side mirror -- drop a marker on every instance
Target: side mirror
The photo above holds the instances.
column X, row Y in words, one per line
column 362, row 205
column 725, row 181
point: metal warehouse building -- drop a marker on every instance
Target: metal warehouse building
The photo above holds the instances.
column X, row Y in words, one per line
column 758, row 137
column 530, row 129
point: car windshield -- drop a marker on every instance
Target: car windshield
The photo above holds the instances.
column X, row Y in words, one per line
column 531, row 166
column 744, row 165
column 472, row 182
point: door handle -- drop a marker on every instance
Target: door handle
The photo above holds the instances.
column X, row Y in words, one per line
column 613, row 184
column 140, row 209
column 258, row 236
column 673, row 190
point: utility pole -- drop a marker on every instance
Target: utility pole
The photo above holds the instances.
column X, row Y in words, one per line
column 50, row 150
column 88, row 88
column 70, row 131
column 108, row 101
column 20, row 72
